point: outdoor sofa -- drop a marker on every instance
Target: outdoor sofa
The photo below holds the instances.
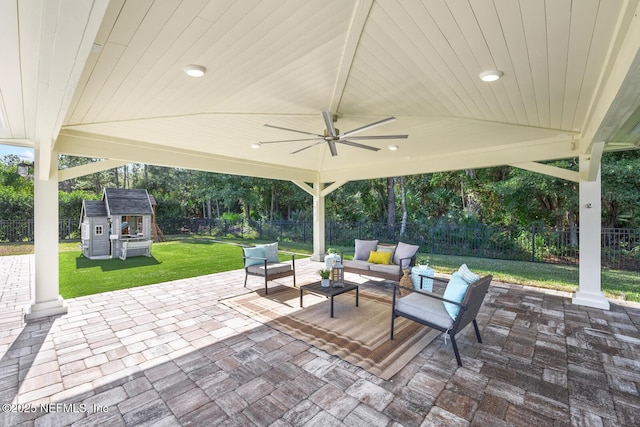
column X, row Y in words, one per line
column 380, row 260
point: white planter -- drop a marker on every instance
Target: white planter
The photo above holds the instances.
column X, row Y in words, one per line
column 325, row 283
column 328, row 260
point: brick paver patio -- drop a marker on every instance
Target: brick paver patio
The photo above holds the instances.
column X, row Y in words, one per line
column 172, row 354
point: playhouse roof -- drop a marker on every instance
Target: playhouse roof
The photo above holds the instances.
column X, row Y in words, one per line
column 94, row 208
column 122, row 201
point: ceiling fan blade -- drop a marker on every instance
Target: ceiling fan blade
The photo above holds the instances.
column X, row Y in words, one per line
column 379, row 137
column 328, row 122
column 355, row 144
column 288, row 140
column 308, row 146
column 332, row 148
column 369, row 126
column 293, row 130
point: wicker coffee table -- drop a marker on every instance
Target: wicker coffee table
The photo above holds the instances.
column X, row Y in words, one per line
column 317, row 289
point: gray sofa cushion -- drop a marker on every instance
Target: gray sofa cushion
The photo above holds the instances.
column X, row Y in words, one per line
column 387, row 248
column 364, row 248
column 360, row 265
column 389, row 268
column 423, row 307
column 271, row 268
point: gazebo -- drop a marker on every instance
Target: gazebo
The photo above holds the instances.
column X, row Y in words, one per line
column 108, row 80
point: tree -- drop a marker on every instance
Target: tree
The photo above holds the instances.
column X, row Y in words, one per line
column 621, row 189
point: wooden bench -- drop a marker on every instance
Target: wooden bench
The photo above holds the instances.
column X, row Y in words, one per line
column 145, row 245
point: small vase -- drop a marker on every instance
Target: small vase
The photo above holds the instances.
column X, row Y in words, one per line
column 325, row 283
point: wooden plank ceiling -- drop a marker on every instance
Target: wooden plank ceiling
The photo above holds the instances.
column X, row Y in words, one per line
column 284, row 62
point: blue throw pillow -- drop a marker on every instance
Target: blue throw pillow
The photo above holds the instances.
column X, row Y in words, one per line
column 257, row 252
column 455, row 291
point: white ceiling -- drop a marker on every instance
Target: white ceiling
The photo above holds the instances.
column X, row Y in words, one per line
column 105, row 79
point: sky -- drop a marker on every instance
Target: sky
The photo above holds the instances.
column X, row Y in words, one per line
column 22, row 152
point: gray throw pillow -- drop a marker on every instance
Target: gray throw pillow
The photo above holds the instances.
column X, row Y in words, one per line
column 364, row 248
column 404, row 250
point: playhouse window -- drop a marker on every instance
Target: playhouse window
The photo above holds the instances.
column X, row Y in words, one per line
column 131, row 225
column 99, row 230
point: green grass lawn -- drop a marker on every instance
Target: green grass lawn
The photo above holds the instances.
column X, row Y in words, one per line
column 171, row 260
column 190, row 256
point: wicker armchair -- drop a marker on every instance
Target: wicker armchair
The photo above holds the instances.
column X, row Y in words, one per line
column 428, row 308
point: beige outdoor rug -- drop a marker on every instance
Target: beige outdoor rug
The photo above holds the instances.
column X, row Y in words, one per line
column 359, row 335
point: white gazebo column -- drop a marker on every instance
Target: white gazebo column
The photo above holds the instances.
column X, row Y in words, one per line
column 319, row 191
column 318, row 225
column 589, row 291
column 47, row 300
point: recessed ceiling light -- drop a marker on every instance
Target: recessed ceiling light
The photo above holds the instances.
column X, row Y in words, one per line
column 255, row 145
column 194, row 70
column 393, row 147
column 490, row 76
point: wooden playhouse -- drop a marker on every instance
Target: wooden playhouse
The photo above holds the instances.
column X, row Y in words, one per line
column 118, row 226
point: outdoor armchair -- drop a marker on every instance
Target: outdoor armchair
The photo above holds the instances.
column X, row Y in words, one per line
column 262, row 261
column 429, row 309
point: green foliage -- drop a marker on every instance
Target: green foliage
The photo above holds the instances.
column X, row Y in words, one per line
column 15, row 204
column 621, row 190
column 324, row 274
column 232, row 217
column 70, row 204
column 495, row 196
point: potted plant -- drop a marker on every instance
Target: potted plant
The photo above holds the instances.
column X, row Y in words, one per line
column 423, row 261
column 325, row 275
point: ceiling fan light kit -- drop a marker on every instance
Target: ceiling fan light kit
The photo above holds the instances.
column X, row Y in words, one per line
column 490, row 75
column 331, row 135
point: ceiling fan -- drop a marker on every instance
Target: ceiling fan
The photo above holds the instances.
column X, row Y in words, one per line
column 332, row 135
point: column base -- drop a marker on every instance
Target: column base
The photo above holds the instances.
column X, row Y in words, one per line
column 46, row 309
column 317, row 257
column 591, row 299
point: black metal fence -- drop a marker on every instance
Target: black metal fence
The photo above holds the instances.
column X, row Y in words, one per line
column 21, row 230
column 620, row 246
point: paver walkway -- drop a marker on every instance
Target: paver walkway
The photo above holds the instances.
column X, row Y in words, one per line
column 172, row 354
